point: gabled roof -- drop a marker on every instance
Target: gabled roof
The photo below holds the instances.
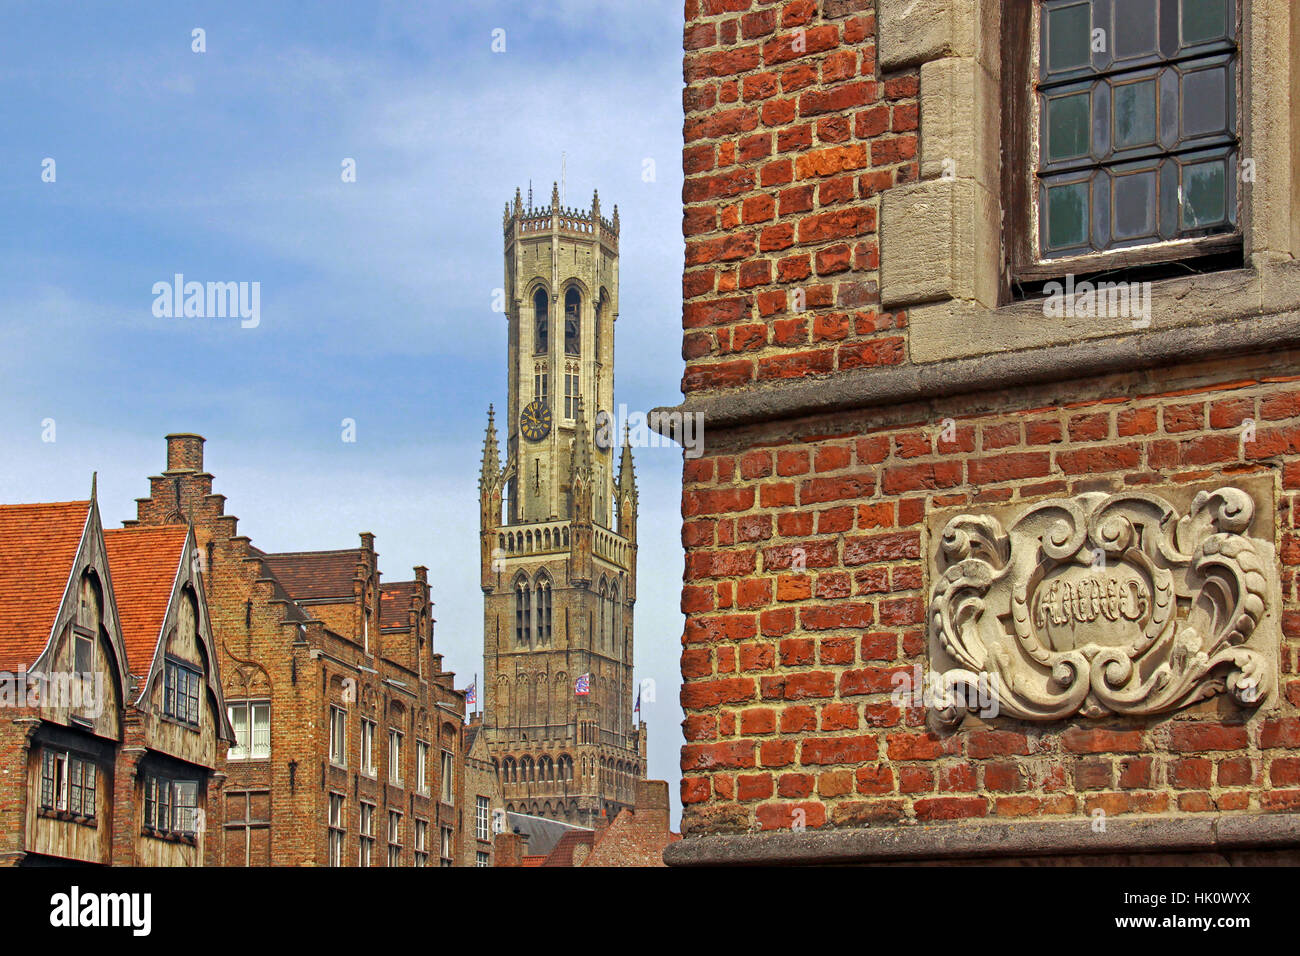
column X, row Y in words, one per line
column 143, row 563
column 314, row 575
column 562, row 853
column 38, row 545
column 543, row 833
column 395, row 602
column 471, row 735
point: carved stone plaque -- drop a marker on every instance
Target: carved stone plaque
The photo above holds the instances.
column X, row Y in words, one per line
column 1139, row 602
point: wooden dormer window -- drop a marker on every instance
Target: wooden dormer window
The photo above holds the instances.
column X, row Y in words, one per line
column 182, row 692
column 87, row 627
column 1125, row 125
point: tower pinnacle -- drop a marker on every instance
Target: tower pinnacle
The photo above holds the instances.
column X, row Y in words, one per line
column 491, row 454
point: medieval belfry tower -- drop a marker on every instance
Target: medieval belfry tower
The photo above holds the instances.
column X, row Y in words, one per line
column 558, row 532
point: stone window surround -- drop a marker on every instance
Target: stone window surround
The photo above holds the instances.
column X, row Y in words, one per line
column 941, row 237
column 941, row 240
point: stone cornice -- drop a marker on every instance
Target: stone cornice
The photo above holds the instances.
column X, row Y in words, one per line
column 869, row 387
column 965, row 840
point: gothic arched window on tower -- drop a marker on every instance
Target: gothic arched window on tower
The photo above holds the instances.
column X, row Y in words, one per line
column 613, row 615
column 544, row 610
column 571, row 392
column 600, row 610
column 541, row 326
column 572, row 325
column 600, row 309
column 523, row 615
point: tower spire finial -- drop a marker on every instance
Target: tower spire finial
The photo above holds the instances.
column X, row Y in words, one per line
column 491, row 467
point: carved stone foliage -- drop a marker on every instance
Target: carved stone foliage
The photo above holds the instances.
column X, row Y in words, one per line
column 1106, row 604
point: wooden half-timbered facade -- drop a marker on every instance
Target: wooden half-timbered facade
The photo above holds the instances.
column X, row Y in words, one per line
column 176, row 730
column 105, row 692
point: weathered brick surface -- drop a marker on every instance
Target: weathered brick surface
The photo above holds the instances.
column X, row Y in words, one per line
column 792, row 640
column 791, row 135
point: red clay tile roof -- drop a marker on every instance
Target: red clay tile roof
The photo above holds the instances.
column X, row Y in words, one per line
column 308, row 575
column 143, row 563
column 394, row 603
column 562, row 853
column 38, row 544
column 533, row 861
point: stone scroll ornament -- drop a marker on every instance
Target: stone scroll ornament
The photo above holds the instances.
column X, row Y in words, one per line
column 1101, row 604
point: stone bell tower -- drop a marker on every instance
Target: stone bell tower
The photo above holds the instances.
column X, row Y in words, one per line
column 558, row 529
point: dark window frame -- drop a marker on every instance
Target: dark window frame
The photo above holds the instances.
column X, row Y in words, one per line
column 1024, row 265
column 68, row 784
column 182, row 685
column 165, row 805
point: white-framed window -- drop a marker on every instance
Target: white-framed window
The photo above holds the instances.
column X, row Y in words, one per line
column 448, row 778
column 422, row 766
column 481, row 813
column 421, row 842
column 367, row 747
column 367, row 847
column 395, row 757
column 252, row 723
column 446, row 847
column 482, row 859
column 338, row 736
column 336, row 829
column 394, row 838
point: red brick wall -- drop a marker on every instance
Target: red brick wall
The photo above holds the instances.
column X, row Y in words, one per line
column 790, row 138
column 788, row 673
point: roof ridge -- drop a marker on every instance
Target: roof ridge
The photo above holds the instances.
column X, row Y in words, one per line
column 297, row 554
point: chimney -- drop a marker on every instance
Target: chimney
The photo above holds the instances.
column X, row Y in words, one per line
column 652, row 801
column 184, row 452
column 509, row 849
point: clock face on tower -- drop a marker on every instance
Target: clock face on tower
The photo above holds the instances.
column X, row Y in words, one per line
column 535, row 420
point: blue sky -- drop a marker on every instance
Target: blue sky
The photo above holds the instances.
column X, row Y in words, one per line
column 375, row 295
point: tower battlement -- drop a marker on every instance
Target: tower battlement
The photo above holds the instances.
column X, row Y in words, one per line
column 525, row 219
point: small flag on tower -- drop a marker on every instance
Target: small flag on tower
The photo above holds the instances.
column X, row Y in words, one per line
column 471, row 694
column 583, row 687
column 637, row 708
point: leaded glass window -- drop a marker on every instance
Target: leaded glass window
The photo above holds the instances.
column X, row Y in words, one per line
column 182, row 692
column 1138, row 130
